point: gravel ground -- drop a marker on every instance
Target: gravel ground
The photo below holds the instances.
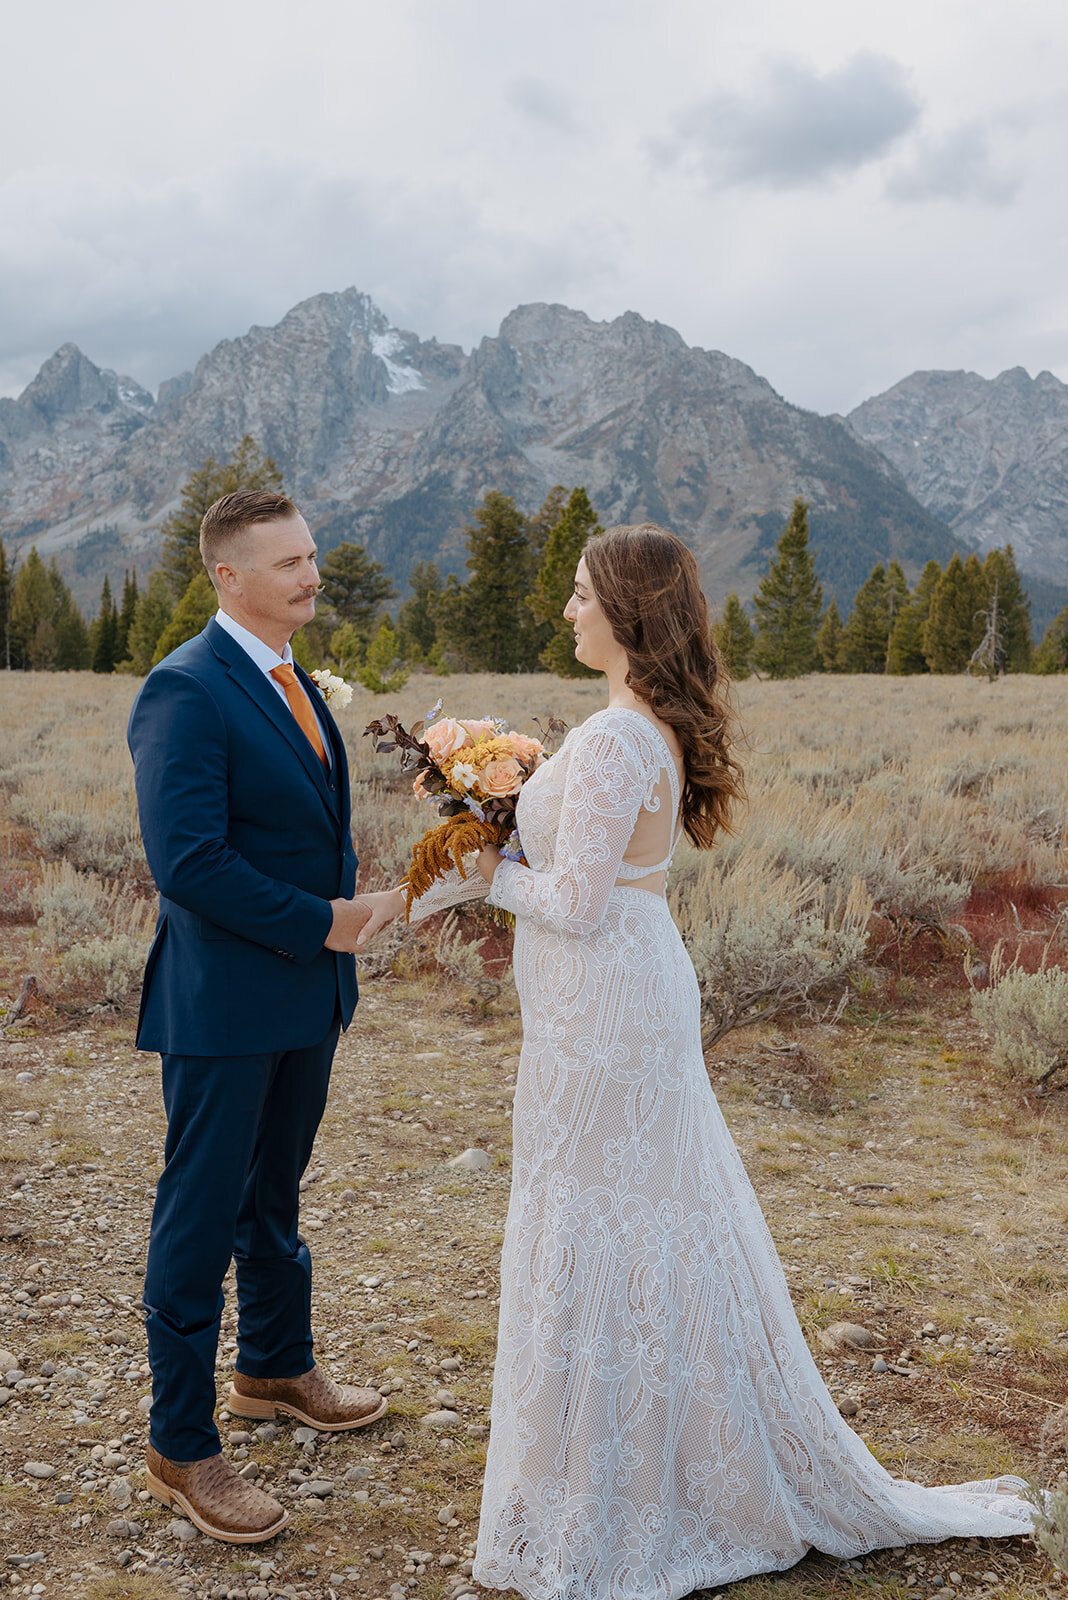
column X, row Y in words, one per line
column 407, row 1252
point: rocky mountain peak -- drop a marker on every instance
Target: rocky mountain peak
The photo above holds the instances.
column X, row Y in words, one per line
column 540, row 323
column 69, row 382
column 988, row 455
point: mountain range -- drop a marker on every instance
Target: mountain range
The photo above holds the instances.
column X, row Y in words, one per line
column 391, row 440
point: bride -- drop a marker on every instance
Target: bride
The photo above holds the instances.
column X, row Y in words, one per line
column 658, row 1423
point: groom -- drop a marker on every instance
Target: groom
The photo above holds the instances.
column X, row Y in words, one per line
column 243, row 797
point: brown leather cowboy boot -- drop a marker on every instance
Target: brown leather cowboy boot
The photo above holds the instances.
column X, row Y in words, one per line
column 215, row 1498
column 313, row 1398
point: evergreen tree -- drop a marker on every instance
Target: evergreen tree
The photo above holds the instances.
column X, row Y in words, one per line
column 734, row 637
column 544, row 520
column 127, row 612
column 866, row 636
column 953, row 628
column 1014, row 609
column 247, row 468
column 897, row 598
column 30, row 618
column 104, row 633
column 829, row 638
column 905, row 655
column 46, row 630
column 70, row 633
column 575, row 526
column 5, row 603
column 153, row 612
column 788, row 604
column 354, row 586
column 452, row 636
column 417, row 621
column 481, row 621
column 1052, row 653
column 383, row 672
column 866, row 633
column 347, row 648
column 191, row 614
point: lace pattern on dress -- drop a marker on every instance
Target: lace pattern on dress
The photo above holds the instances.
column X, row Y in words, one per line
column 604, row 774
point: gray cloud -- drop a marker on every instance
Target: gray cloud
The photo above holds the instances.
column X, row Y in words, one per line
column 542, row 102
column 958, row 165
column 147, row 282
column 797, row 126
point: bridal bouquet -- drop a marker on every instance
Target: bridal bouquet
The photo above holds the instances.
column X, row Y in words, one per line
column 471, row 773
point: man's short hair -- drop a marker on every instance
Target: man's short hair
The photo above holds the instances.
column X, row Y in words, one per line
column 226, row 520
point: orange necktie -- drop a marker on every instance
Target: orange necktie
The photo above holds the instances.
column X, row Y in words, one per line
column 300, row 707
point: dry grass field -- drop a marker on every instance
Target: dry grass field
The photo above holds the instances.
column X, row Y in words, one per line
column 911, row 1186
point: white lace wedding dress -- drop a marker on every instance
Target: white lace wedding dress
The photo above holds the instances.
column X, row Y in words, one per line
column 658, row 1424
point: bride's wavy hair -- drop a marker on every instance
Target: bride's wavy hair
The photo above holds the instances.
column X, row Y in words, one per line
column 646, row 582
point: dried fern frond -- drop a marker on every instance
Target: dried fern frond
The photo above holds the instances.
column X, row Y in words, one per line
column 444, row 848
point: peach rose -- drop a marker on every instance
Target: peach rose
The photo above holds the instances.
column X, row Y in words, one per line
column 526, row 749
column 480, row 730
column 445, row 738
column 500, row 778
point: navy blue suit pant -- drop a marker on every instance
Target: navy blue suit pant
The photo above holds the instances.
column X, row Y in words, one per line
column 240, row 1131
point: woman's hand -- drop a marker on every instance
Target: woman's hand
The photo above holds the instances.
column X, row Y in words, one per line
column 383, row 906
column 489, row 859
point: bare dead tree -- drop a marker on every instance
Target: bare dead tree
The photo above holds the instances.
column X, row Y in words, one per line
column 989, row 655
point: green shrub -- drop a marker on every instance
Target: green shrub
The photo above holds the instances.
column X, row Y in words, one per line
column 765, row 942
column 105, row 970
column 1026, row 1016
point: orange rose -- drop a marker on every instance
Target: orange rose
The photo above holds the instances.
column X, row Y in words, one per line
column 500, row 778
column 526, row 749
column 445, row 738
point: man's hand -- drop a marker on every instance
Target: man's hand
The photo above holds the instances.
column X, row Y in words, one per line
column 384, row 906
column 350, row 917
column 359, row 919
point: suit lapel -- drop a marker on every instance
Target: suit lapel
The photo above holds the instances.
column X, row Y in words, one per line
column 247, row 675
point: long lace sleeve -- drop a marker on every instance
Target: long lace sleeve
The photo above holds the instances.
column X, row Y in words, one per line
column 451, row 891
column 608, row 781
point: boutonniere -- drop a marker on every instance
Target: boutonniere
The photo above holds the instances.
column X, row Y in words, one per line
column 334, row 690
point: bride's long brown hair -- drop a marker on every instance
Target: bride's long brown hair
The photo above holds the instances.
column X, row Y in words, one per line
column 646, row 582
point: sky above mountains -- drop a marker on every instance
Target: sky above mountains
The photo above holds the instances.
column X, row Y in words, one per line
column 835, row 194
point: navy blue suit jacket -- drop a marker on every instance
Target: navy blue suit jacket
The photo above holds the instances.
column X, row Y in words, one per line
column 247, row 836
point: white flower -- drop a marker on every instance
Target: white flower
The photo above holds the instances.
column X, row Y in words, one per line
column 334, row 690
column 463, row 776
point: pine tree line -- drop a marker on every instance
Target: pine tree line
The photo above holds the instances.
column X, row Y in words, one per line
column 972, row 616
column 507, row 615
column 42, row 629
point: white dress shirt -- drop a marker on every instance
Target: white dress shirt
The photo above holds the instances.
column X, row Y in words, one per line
column 267, row 659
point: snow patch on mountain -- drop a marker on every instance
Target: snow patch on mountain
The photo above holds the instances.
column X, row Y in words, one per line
column 399, row 379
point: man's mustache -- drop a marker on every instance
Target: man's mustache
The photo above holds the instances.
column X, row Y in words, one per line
column 310, row 594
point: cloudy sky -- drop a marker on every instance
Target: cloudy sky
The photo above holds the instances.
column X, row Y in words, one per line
column 835, row 193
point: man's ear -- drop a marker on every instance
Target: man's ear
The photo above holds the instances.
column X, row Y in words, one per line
column 227, row 579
